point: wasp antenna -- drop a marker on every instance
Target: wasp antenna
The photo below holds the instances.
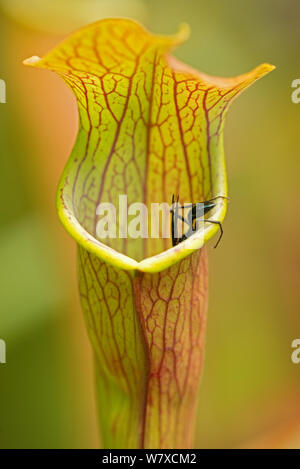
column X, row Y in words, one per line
column 221, row 197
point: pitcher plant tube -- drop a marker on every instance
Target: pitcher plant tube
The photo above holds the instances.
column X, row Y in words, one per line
column 149, row 127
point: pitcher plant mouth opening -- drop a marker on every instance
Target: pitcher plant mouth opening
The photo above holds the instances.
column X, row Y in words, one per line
column 150, row 126
column 154, row 263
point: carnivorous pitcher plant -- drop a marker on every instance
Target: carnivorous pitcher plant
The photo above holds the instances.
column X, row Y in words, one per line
column 150, row 127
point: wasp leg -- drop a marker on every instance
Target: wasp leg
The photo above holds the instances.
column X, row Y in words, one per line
column 180, row 217
column 172, row 221
column 174, row 215
column 183, row 238
column 221, row 229
column 175, row 239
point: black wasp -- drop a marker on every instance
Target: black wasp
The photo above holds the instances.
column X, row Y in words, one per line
column 197, row 210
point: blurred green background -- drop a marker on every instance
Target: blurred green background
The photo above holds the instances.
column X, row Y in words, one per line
column 250, row 389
